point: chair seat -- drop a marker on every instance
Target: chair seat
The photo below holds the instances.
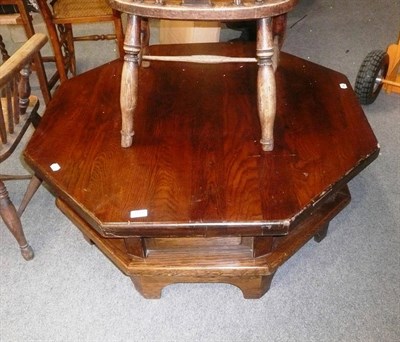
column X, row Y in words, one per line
column 88, row 8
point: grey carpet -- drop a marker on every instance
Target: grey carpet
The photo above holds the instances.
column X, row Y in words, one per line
column 346, row 288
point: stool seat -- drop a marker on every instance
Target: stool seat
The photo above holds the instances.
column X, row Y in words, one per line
column 224, row 10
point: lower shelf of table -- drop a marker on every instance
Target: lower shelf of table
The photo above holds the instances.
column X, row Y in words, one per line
column 212, row 260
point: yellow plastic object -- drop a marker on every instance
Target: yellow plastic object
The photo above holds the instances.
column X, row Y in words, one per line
column 391, row 83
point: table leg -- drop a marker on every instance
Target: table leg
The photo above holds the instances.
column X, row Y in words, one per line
column 135, row 247
column 322, row 233
column 254, row 288
column 151, row 287
column 266, row 88
column 129, row 79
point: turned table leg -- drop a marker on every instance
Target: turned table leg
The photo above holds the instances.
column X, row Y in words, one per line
column 10, row 217
column 266, row 88
column 129, row 79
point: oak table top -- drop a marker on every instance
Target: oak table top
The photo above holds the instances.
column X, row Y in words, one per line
column 196, row 166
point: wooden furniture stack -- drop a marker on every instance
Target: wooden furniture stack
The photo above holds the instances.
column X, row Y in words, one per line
column 196, row 199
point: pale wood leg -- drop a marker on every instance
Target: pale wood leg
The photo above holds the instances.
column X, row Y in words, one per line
column 266, row 88
column 129, row 79
column 13, row 223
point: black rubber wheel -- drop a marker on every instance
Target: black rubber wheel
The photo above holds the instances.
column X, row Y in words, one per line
column 369, row 78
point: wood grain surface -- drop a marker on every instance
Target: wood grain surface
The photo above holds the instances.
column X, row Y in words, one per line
column 196, row 164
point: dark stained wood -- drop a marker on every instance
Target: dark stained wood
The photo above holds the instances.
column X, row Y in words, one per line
column 218, row 208
column 209, row 261
column 136, row 247
column 262, row 245
column 321, row 234
column 150, row 287
column 279, row 28
column 196, row 165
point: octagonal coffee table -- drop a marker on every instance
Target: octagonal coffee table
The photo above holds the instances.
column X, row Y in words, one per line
column 197, row 200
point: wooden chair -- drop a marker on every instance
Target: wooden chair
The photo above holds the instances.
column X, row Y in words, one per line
column 23, row 17
column 62, row 14
column 17, row 111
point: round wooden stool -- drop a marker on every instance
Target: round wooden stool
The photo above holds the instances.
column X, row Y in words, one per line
column 271, row 25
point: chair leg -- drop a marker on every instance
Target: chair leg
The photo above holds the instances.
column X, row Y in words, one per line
column 13, row 223
column 58, row 55
column 119, row 32
column 42, row 78
column 3, row 50
column 38, row 62
column 55, row 42
column 279, row 30
column 30, row 191
column 145, row 30
column 69, row 45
